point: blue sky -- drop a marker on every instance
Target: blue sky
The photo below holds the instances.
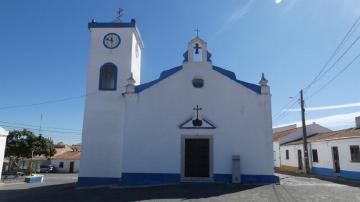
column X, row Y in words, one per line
column 44, row 52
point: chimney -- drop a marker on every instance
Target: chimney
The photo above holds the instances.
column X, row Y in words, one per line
column 357, row 120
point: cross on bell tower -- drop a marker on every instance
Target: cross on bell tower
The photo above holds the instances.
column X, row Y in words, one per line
column 197, row 32
column 197, row 47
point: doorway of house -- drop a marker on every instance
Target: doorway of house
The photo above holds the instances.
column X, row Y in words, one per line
column 335, row 155
column 196, row 158
column 300, row 161
column 71, row 169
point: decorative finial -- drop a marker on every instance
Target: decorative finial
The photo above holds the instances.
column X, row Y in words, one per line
column 197, row 32
column 119, row 15
column 263, row 80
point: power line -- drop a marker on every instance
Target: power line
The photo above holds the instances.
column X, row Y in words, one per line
column 335, row 77
column 30, row 128
column 324, row 71
column 343, row 41
column 47, row 102
column 56, row 128
column 339, row 58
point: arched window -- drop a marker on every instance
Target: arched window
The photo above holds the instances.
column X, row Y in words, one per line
column 108, row 75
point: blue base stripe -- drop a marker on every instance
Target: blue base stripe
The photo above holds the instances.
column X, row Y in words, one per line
column 330, row 172
column 350, row 174
column 133, row 179
column 259, row 179
column 323, row 171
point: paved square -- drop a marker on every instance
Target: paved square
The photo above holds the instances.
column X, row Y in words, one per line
column 62, row 187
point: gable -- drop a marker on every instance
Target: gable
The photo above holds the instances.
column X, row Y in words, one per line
column 229, row 74
column 165, row 74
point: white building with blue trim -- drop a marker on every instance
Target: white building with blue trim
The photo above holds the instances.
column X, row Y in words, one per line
column 196, row 122
column 333, row 153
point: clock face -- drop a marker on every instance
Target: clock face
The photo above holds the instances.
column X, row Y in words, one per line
column 111, row 40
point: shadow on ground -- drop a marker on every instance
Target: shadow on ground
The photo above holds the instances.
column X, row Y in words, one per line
column 69, row 192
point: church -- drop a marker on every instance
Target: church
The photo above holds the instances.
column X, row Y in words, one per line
column 196, row 122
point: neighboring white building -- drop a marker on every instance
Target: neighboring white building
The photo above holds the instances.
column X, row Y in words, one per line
column 3, row 136
column 187, row 125
column 67, row 162
column 334, row 153
column 289, row 133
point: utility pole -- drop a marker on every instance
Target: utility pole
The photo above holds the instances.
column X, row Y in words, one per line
column 306, row 154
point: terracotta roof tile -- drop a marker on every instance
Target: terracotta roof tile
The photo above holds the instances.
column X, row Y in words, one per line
column 70, row 155
column 346, row 133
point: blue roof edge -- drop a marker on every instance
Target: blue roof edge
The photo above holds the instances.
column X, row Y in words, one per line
column 231, row 75
column 94, row 24
column 164, row 74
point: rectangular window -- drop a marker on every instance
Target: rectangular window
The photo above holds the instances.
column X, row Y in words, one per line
column 355, row 153
column 315, row 155
column 61, row 164
column 287, row 154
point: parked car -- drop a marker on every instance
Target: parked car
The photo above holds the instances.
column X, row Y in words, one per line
column 47, row 169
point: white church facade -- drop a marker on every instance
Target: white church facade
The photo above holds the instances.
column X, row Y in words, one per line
column 196, row 122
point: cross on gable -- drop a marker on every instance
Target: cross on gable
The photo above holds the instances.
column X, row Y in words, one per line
column 197, row 111
column 197, row 122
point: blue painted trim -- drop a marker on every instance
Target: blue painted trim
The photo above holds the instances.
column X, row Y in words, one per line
column 165, row 74
column 330, row 172
column 186, row 56
column 114, row 46
column 134, row 179
column 323, row 171
column 181, row 126
column 231, row 75
column 100, row 77
column 350, row 174
column 149, row 178
column 94, row 24
column 209, row 57
column 259, row 179
column 95, row 181
column 225, row 178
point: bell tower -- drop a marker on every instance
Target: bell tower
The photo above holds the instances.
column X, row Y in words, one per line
column 117, row 44
column 114, row 60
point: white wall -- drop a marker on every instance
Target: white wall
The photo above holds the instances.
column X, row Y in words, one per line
column 325, row 154
column 66, row 167
column 243, row 120
column 276, row 152
column 293, row 155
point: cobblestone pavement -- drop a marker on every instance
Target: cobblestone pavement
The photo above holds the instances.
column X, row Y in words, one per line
column 62, row 187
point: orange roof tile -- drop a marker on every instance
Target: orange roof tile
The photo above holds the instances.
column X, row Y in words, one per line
column 70, row 155
column 346, row 133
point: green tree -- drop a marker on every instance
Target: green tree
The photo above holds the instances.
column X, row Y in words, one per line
column 25, row 144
